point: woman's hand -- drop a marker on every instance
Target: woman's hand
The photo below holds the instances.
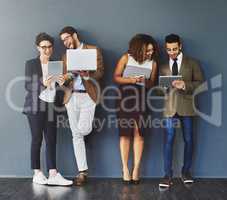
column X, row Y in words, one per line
column 48, row 81
column 132, row 80
column 44, row 59
column 140, row 79
column 136, row 79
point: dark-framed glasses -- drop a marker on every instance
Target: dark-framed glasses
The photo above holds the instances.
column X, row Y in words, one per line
column 46, row 47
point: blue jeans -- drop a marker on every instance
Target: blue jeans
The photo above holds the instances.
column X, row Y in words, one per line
column 170, row 126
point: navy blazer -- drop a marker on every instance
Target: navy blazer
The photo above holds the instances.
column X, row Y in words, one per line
column 33, row 85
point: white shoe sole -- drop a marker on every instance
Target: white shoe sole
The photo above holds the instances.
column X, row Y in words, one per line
column 55, row 184
column 39, row 183
column 164, row 185
column 188, row 181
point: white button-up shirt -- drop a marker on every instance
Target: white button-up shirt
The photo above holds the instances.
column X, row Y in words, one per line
column 179, row 61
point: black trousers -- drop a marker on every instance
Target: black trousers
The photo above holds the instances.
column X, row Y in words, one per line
column 43, row 123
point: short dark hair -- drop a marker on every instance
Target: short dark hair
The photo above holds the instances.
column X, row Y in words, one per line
column 68, row 29
column 137, row 44
column 172, row 38
column 43, row 36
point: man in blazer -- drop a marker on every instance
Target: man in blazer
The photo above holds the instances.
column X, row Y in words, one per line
column 178, row 106
column 80, row 100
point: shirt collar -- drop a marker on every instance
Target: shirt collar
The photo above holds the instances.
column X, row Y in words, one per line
column 81, row 46
column 179, row 59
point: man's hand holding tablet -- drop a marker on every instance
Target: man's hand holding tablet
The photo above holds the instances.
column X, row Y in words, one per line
column 178, row 84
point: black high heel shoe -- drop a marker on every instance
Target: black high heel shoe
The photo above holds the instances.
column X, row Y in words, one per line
column 136, row 182
column 126, row 182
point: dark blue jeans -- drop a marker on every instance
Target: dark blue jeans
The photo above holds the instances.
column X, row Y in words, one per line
column 41, row 125
column 170, row 127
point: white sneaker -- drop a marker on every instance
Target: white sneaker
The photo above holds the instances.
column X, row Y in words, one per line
column 58, row 179
column 39, row 178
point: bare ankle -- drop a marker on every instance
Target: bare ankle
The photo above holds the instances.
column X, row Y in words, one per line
column 52, row 172
column 135, row 173
column 36, row 171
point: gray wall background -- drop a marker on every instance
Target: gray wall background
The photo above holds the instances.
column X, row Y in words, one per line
column 110, row 25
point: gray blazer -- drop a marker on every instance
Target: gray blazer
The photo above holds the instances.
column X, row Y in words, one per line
column 33, row 85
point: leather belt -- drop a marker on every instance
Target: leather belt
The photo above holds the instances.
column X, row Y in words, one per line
column 80, row 91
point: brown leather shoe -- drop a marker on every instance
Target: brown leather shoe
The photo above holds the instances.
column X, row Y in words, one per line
column 80, row 179
column 166, row 182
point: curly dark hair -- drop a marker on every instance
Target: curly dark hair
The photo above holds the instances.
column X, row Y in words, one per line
column 43, row 36
column 138, row 45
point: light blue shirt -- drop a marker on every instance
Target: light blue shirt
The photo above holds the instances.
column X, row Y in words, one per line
column 78, row 84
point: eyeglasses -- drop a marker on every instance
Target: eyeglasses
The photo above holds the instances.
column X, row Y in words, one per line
column 150, row 50
column 66, row 38
column 46, row 47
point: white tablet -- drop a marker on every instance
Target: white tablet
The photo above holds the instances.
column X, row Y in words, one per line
column 81, row 59
column 166, row 81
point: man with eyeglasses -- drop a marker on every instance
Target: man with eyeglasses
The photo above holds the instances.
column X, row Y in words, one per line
column 179, row 106
column 81, row 100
